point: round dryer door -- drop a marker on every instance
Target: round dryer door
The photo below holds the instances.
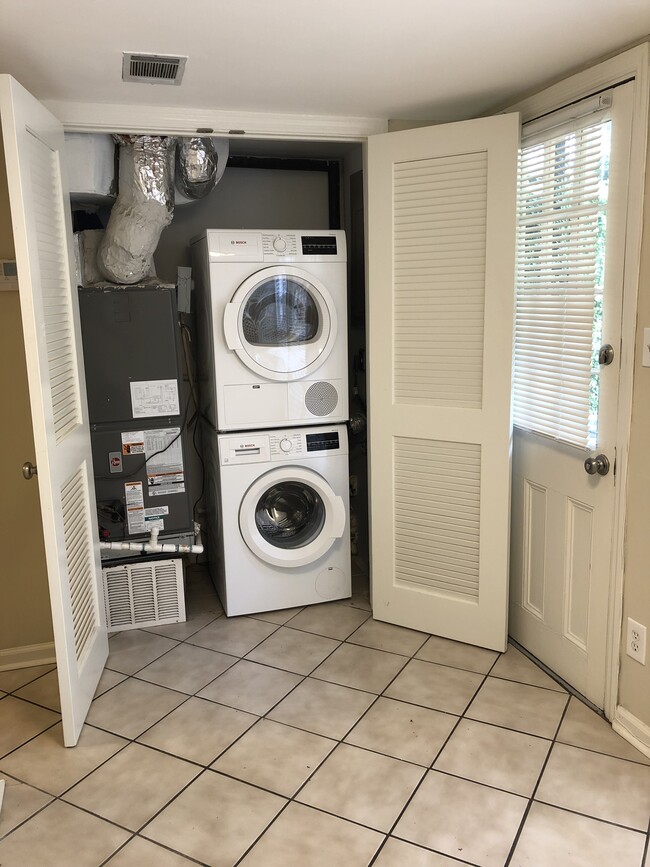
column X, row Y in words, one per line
column 291, row 517
column 281, row 323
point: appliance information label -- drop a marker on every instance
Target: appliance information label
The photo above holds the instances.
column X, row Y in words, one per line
column 165, row 471
column 134, row 498
column 133, row 442
column 152, row 397
column 153, row 518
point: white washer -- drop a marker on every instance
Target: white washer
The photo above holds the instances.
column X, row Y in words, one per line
column 279, row 536
column 272, row 325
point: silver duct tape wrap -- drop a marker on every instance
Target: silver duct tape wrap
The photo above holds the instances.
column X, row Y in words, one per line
column 196, row 167
column 144, row 206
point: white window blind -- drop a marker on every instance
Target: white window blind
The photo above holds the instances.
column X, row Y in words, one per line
column 562, row 210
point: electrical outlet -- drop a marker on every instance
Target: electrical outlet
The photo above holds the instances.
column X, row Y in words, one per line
column 636, row 635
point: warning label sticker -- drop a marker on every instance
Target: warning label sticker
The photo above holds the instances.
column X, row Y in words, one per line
column 134, row 498
column 133, row 442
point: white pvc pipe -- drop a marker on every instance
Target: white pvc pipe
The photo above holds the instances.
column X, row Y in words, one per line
column 152, row 546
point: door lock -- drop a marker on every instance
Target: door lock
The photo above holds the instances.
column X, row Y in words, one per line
column 599, row 464
column 29, row 470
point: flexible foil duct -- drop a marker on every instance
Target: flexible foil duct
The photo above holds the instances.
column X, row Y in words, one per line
column 196, row 167
column 144, row 206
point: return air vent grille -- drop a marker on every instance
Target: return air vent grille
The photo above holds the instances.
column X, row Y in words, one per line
column 153, row 68
column 144, row 594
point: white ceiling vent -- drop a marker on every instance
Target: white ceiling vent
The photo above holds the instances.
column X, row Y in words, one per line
column 153, row 68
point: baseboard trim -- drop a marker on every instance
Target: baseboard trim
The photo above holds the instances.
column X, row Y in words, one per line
column 632, row 729
column 24, row 657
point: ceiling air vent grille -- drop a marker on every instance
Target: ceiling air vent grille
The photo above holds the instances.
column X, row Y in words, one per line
column 153, row 68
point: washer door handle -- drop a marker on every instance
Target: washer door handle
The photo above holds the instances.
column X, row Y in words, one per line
column 338, row 522
column 231, row 326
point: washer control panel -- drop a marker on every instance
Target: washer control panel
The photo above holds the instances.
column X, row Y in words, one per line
column 287, row 443
column 279, row 245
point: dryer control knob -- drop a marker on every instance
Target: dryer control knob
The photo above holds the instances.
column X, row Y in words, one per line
column 286, row 445
column 279, row 245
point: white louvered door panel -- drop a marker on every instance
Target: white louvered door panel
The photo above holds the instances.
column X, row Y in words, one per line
column 33, row 141
column 441, row 232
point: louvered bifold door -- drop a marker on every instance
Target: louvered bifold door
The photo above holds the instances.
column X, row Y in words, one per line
column 40, row 211
column 441, row 232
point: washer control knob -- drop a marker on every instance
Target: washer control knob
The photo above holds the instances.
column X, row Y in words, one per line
column 279, row 244
column 286, row 445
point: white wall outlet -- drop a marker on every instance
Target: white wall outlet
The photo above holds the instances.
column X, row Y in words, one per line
column 635, row 645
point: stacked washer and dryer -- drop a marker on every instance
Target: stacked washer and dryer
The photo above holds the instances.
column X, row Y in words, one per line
column 271, row 312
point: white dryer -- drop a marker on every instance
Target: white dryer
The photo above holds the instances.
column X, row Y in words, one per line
column 280, row 535
column 272, row 323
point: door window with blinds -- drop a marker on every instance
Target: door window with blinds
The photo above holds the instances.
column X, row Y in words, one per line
column 561, row 247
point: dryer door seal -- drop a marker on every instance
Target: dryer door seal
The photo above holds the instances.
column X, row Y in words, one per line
column 290, row 516
column 282, row 323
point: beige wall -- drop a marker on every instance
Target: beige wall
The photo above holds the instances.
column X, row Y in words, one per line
column 634, row 686
column 25, row 616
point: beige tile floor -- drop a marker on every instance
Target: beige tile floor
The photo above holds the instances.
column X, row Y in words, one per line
column 314, row 736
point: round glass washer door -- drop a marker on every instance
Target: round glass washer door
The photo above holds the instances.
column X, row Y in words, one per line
column 291, row 517
column 281, row 323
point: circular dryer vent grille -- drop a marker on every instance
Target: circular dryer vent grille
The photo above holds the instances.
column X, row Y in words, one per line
column 321, row 398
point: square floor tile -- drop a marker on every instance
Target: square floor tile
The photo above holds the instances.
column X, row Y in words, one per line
column 360, row 667
column 215, row 819
column 353, row 783
column 275, row 757
column 279, row 617
column 45, row 763
column 19, row 803
column 329, row 619
column 181, row 631
column 20, row 721
column 61, row 835
column 435, row 686
column 462, row 819
column 143, row 853
column 187, row 668
column 198, row 730
column 132, row 786
column 404, row 731
column 387, row 636
column 519, row 706
column 251, row 687
column 497, row 757
column 600, row 786
column 43, row 691
column 552, row 836
column 14, row 678
column 132, row 706
column 309, row 838
column 131, row 650
column 514, row 665
column 397, row 853
column 233, row 635
column 108, row 680
column 291, row 650
column 581, row 727
column 457, row 655
column 322, row 708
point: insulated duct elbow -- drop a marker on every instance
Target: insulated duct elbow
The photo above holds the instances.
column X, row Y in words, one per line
column 144, row 206
column 196, row 167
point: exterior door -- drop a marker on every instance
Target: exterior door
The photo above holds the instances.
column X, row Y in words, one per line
column 441, row 235
column 281, row 323
column 570, row 280
column 33, row 141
